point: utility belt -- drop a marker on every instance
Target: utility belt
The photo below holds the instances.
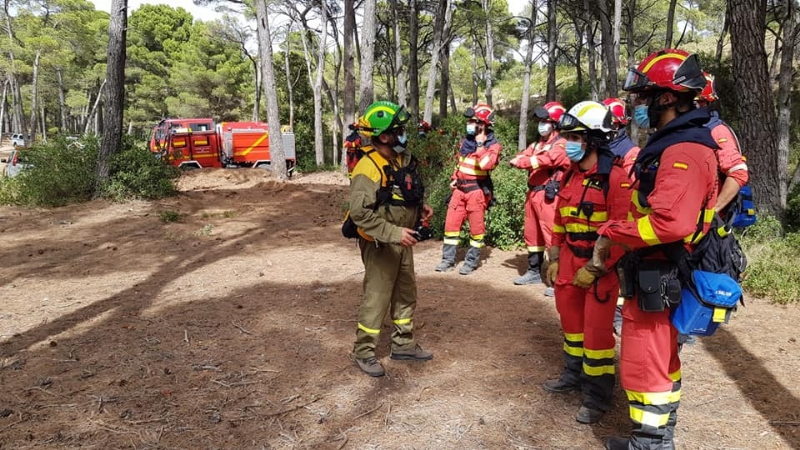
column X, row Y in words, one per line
column 581, row 252
column 467, row 185
column 550, row 189
column 655, row 282
column 536, row 188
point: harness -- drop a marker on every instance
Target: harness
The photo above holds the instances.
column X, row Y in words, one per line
column 407, row 179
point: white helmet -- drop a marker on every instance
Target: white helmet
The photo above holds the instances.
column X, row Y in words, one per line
column 586, row 117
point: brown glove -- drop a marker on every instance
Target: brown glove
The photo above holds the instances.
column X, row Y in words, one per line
column 550, row 266
column 551, row 274
column 583, row 278
column 597, row 265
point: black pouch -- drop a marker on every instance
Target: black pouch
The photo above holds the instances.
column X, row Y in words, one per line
column 551, row 190
column 627, row 281
column 649, row 280
column 349, row 228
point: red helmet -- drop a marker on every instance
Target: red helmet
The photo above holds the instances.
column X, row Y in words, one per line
column 709, row 93
column 551, row 111
column 617, row 109
column 481, row 112
column 671, row 68
column 423, row 126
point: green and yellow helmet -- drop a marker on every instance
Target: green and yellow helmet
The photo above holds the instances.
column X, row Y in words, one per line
column 380, row 117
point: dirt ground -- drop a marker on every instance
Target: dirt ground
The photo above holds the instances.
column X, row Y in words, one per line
column 231, row 328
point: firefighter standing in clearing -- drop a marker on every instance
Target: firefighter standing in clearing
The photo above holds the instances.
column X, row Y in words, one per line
column 386, row 216
column 594, row 190
column 732, row 166
column 676, row 191
column 472, row 189
column 545, row 161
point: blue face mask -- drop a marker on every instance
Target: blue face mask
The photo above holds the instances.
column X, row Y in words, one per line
column 575, row 151
column 400, row 143
column 641, row 117
column 545, row 128
column 471, row 129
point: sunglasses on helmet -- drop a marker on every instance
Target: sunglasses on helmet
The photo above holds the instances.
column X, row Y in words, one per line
column 568, row 123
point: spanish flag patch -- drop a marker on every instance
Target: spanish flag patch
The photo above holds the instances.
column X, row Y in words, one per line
column 625, row 185
column 680, row 165
column 722, row 140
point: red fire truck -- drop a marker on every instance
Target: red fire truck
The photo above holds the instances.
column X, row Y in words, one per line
column 199, row 143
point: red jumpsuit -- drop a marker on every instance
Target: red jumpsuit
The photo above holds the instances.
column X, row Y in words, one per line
column 542, row 161
column 469, row 200
column 587, row 315
column 684, row 185
column 731, row 162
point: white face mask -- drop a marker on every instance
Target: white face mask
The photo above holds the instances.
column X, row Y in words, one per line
column 545, row 128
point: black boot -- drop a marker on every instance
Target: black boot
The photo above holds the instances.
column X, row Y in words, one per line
column 532, row 275
column 617, row 443
column 470, row 261
column 448, row 258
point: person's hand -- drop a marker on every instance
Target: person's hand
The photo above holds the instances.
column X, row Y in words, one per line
column 583, row 278
column 602, row 250
column 453, row 185
column 427, row 213
column 551, row 274
column 408, row 239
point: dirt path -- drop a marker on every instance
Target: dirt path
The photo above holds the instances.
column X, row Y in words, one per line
column 231, row 329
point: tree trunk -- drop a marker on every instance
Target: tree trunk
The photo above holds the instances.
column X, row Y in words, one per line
column 277, row 154
column 289, row 84
column 115, row 78
column 17, row 115
column 784, row 124
column 443, row 15
column 34, row 98
column 349, row 100
column 319, row 142
column 721, row 42
column 579, row 26
column 474, row 64
column 752, row 84
column 444, row 88
column 552, row 33
column 62, row 106
column 617, row 25
column 43, row 124
column 413, row 59
column 366, row 88
column 522, row 142
column 608, row 44
column 489, row 51
column 399, row 67
column 257, row 96
column 93, row 111
column 670, row 23
column 631, row 57
column 3, row 109
column 591, row 49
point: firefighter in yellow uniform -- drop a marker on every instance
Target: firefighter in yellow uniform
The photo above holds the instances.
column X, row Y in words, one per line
column 386, row 204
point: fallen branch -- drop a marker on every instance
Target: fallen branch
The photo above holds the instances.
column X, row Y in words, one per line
column 368, row 412
column 280, row 413
column 784, row 422
column 11, row 425
column 185, row 336
column 241, row 329
column 236, row 384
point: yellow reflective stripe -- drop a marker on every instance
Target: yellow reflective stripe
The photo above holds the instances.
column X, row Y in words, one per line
column 485, row 161
column 536, row 248
column 647, row 418
column 580, row 228
column 639, row 208
column 478, row 237
column 452, row 233
column 368, row 330
column 630, row 217
column 450, row 241
column 675, row 376
column 680, row 165
column 476, row 244
column 573, row 351
column 741, row 166
column 646, row 231
column 574, row 337
column 471, row 171
column 654, row 398
column 559, row 229
column 468, row 160
column 599, row 370
column 402, row 321
column 659, row 58
column 708, row 216
column 534, row 162
column 600, row 354
column 573, row 212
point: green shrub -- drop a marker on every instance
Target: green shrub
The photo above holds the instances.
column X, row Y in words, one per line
column 60, row 173
column 793, row 210
column 135, row 173
column 772, row 270
column 170, row 216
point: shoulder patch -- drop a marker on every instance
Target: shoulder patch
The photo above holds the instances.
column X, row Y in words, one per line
column 680, row 165
column 625, row 185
